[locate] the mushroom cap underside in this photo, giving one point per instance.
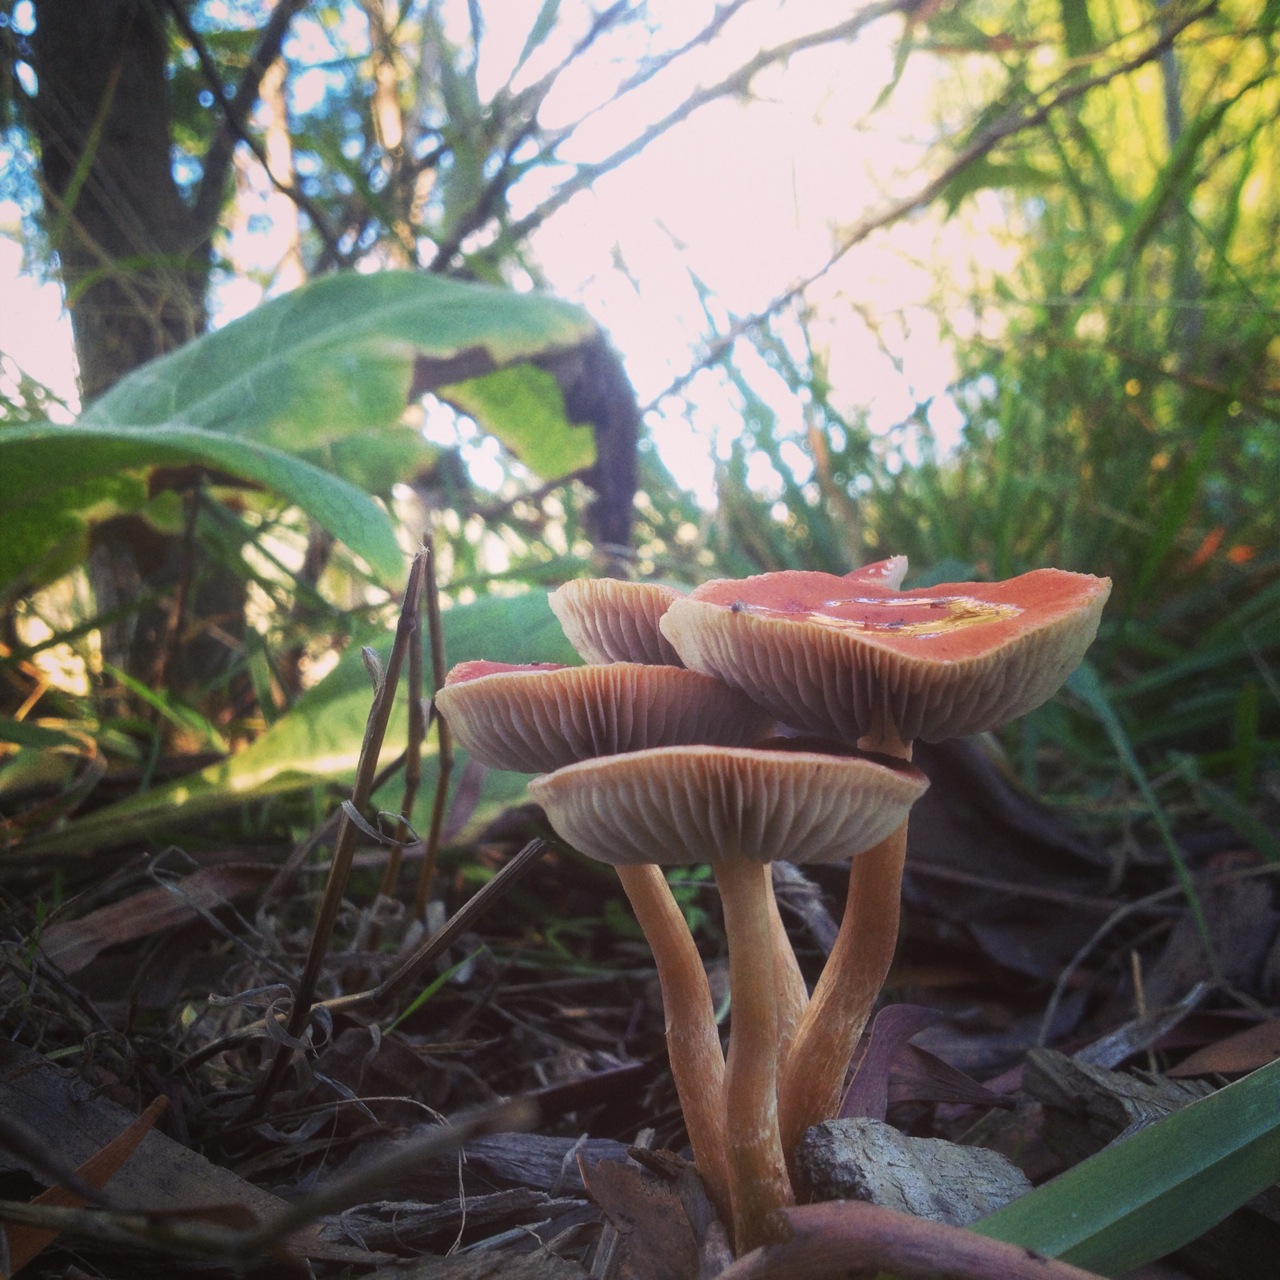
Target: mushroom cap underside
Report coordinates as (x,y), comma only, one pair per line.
(533,721)
(679,805)
(864,661)
(607,620)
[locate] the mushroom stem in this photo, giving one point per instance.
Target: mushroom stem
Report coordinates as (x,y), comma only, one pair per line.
(809,1091)
(789,982)
(758,1179)
(693,1041)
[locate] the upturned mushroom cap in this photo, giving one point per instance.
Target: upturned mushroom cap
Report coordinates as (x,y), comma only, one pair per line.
(885,573)
(537,718)
(863,661)
(676,805)
(610,621)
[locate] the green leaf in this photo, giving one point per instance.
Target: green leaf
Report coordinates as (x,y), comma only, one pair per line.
(1077,27)
(1085,683)
(1147,1195)
(55,479)
(528,401)
(319,739)
(307,378)
(543,25)
(26,734)
(982,174)
(338,357)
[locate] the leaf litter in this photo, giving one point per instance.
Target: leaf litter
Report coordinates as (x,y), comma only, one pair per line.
(385,1143)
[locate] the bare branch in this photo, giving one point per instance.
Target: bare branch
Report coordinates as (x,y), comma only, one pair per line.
(1018,119)
(738,82)
(235,112)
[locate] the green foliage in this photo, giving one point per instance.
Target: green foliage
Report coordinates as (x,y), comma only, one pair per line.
(304,396)
(1118,387)
(54,480)
(318,741)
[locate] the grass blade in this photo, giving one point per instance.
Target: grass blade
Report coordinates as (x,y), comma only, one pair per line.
(1150,1194)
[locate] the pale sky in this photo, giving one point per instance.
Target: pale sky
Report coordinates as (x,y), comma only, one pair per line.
(750,196)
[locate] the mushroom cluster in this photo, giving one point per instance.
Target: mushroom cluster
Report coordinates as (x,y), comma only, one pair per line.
(753,719)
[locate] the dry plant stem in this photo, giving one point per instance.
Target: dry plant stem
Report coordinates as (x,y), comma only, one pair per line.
(377,998)
(693,1041)
(344,848)
(758,1180)
(793,995)
(26,1243)
(412,759)
(846,993)
(204,1238)
(444,742)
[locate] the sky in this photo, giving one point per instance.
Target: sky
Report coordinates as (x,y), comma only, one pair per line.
(747,196)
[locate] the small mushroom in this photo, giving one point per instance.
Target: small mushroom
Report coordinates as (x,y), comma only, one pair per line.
(535,718)
(855,658)
(735,808)
(538,718)
(611,621)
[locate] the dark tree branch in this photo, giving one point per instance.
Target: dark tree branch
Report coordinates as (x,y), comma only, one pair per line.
(235,110)
(642,75)
(738,82)
(235,128)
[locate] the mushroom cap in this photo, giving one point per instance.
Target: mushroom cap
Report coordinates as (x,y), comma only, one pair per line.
(611,621)
(677,805)
(859,660)
(885,573)
(534,719)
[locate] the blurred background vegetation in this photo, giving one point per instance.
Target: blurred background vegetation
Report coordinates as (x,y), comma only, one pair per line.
(1078,203)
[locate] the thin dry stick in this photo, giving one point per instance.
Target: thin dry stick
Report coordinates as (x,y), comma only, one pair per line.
(413,750)
(321,835)
(392,1171)
(344,850)
(444,742)
(201,1238)
(456,925)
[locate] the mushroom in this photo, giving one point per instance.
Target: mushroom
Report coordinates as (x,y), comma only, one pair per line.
(856,658)
(538,718)
(735,808)
(611,621)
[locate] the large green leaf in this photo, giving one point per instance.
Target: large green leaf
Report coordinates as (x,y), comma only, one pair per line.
(1154,1192)
(319,739)
(338,356)
(311,383)
(55,479)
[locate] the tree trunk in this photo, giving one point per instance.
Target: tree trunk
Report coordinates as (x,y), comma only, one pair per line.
(135,263)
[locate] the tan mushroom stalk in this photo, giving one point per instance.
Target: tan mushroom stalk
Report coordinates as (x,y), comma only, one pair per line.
(855,658)
(536,718)
(736,808)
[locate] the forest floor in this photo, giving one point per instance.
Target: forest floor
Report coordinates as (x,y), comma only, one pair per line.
(1042,953)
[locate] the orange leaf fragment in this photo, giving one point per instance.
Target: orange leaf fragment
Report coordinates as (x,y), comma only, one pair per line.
(26,1242)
